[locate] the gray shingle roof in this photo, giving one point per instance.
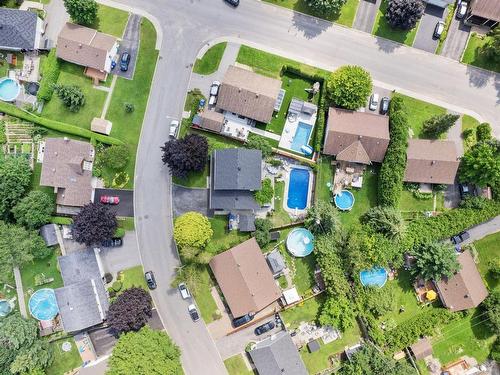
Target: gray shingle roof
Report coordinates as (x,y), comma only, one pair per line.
(246,222)
(278,356)
(276,262)
(232,200)
(17,29)
(237,169)
(48,233)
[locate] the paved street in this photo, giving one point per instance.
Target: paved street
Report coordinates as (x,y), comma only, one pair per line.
(365,15)
(455,42)
(424,39)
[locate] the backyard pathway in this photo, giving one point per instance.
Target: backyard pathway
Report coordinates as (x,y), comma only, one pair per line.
(264,133)
(20,293)
(108,97)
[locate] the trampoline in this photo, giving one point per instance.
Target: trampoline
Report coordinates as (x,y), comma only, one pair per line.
(375,277)
(300,242)
(43,304)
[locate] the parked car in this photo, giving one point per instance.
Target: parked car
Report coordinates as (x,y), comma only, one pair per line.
(212,100)
(464,190)
(264,328)
(384,105)
(234,3)
(461,10)
(124,61)
(150,279)
(174,125)
(438,30)
(193,312)
(113,242)
(108,199)
(373,102)
(201,103)
(461,237)
(184,291)
(114,61)
(237,322)
(214,89)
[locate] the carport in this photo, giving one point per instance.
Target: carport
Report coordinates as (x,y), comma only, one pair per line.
(125,207)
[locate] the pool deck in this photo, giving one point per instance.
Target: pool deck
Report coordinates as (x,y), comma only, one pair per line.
(294,212)
(290,129)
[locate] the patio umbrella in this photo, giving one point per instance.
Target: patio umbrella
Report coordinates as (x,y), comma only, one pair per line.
(431,295)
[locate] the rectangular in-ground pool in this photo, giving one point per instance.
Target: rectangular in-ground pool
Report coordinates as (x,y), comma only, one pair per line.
(301,136)
(298,188)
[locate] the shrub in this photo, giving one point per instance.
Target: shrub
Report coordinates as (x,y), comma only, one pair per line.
(326,7)
(116,156)
(483,132)
(467,133)
(262,229)
(119,233)
(192,229)
(71,96)
(60,220)
(266,193)
(108,277)
(120,180)
(117,286)
(83,12)
(439,124)
(257,142)
(129,107)
(404,14)
(50,73)
(349,87)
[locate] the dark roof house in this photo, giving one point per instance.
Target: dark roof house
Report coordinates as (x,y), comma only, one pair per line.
(465,289)
(431,161)
(246,222)
(245,278)
(356,137)
(483,13)
(236,174)
(19,30)
(277,355)
(48,233)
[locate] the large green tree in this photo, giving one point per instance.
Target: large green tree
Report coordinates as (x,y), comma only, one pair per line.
(336,312)
(145,352)
(438,125)
(322,218)
(435,261)
(130,311)
(385,220)
(492,307)
(349,87)
(83,12)
(192,229)
(326,8)
(492,48)
(34,210)
(404,14)
(481,164)
(15,178)
(71,96)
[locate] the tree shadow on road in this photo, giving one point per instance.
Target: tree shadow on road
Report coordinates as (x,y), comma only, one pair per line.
(387,46)
(310,26)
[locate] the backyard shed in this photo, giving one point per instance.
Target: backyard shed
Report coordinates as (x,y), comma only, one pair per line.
(276,262)
(48,233)
(421,349)
(246,222)
(313,346)
(100,125)
(209,120)
(291,296)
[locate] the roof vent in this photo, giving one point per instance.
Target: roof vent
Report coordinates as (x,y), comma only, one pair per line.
(54,170)
(433,162)
(55,153)
(257,96)
(239,168)
(360,136)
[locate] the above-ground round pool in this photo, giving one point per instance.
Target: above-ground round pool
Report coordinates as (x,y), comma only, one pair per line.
(5,308)
(9,89)
(43,304)
(344,200)
(300,242)
(298,188)
(375,277)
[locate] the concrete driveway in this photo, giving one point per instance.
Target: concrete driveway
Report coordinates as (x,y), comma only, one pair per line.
(116,259)
(424,39)
(189,199)
(455,42)
(365,15)
(129,43)
(381,93)
(125,207)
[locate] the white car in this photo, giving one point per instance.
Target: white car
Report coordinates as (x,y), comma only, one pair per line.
(214,89)
(212,100)
(174,125)
(373,102)
(184,291)
(461,10)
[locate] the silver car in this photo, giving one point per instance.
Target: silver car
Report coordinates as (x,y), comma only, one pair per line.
(173,128)
(373,102)
(184,291)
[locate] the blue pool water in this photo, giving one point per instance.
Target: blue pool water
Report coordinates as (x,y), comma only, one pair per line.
(9,89)
(300,242)
(375,277)
(344,200)
(301,136)
(298,189)
(43,304)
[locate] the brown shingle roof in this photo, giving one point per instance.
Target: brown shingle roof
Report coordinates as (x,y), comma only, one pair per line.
(346,127)
(63,167)
(489,9)
(211,120)
(248,94)
(100,125)
(431,161)
(354,153)
(84,46)
(421,349)
(245,278)
(465,289)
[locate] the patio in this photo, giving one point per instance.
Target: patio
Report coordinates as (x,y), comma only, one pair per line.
(236,127)
(307,332)
(347,175)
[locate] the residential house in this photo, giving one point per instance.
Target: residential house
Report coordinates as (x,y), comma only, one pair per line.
(356,137)
(431,162)
(87,47)
(465,289)
(209,120)
(236,175)
(67,167)
(245,278)
(20,30)
(83,300)
(483,13)
(277,355)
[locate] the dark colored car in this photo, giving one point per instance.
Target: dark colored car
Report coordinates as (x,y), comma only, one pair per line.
(150,279)
(234,3)
(114,242)
(461,237)
(438,30)
(124,61)
(242,320)
(193,312)
(464,190)
(264,328)
(384,105)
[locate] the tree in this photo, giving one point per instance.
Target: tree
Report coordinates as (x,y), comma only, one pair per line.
(336,312)
(322,218)
(262,231)
(480,165)
(192,229)
(379,301)
(15,179)
(257,142)
(34,210)
(38,355)
(71,96)
(266,193)
(492,47)
(438,124)
(329,261)
(385,220)
(186,155)
(94,223)
(492,307)
(404,14)
(143,353)
(83,12)
(483,132)
(326,7)
(349,87)
(116,156)
(435,261)
(130,311)
(495,350)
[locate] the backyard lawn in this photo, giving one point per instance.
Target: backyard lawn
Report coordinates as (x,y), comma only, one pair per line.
(410,203)
(323,177)
(303,277)
(110,21)
(210,61)
(488,251)
(134,277)
(473,56)
(382,28)
(223,239)
(236,366)
(279,217)
(307,311)
(64,361)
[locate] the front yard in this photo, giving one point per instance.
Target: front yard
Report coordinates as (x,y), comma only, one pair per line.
(382,28)
(134,277)
(209,62)
(110,21)
(473,56)
(236,366)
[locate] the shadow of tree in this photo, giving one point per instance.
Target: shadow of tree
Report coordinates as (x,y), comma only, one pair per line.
(479,77)
(309,25)
(386,45)
(479,327)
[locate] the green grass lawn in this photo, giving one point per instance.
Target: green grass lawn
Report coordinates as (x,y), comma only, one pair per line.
(410,203)
(307,311)
(134,277)
(473,56)
(127,126)
(222,238)
(279,217)
(488,251)
(191,104)
(418,111)
(236,366)
(194,179)
(469,122)
(126,223)
(382,28)
(35,181)
(210,61)
(110,21)
(64,361)
(324,176)
(449,18)
(303,277)
(204,299)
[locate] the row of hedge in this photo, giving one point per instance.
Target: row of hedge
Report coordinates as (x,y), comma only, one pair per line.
(390,180)
(12,110)
(61,220)
(50,73)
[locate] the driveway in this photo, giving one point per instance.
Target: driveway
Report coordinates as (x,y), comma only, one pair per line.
(55,20)
(115,259)
(381,93)
(424,39)
(455,42)
(365,15)
(452,196)
(484,229)
(125,207)
(189,199)
(130,43)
